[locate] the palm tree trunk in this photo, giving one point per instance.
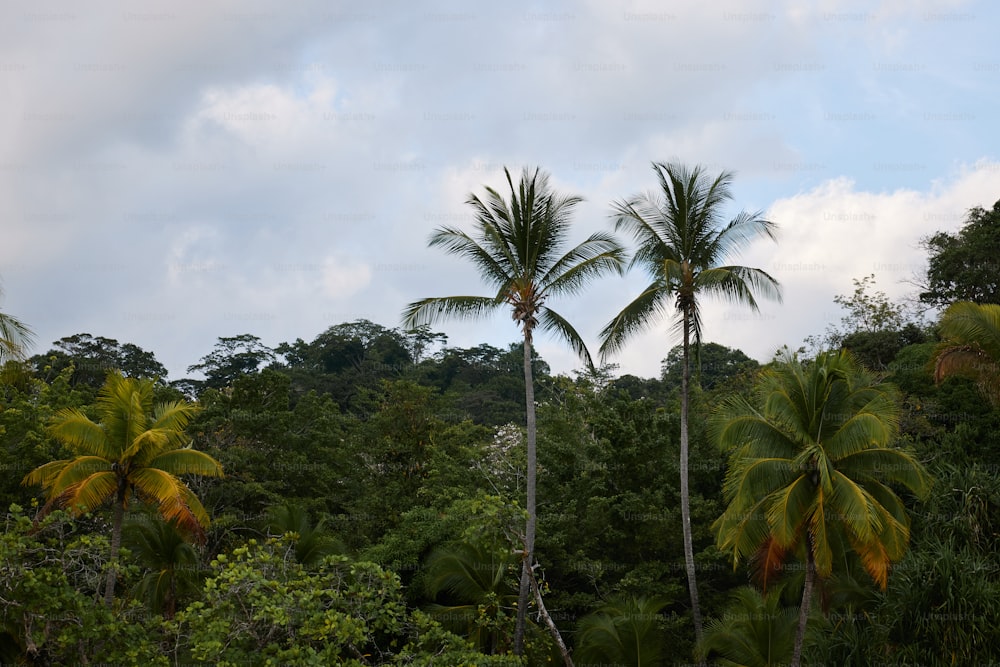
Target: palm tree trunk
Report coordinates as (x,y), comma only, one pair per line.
(116,543)
(685,499)
(529,533)
(800,634)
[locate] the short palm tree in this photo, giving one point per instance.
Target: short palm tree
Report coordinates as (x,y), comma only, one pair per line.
(685,245)
(137,449)
(15,337)
(622,631)
(970,346)
(812,459)
(756,630)
(171,561)
(479,581)
(311,542)
(517,247)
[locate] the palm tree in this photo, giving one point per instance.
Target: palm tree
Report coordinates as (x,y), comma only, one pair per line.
(516,247)
(477,580)
(684,244)
(172,562)
(136,449)
(971,346)
(311,542)
(757,630)
(811,461)
(15,337)
(623,631)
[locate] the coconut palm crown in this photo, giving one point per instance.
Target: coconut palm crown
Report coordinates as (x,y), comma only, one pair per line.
(137,449)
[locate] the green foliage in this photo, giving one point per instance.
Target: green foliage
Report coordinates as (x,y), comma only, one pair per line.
(51,613)
(874,329)
(172,570)
(311,542)
(232,358)
(756,630)
(713,364)
(347,360)
(262,607)
(476,582)
(92,358)
(623,631)
(964,266)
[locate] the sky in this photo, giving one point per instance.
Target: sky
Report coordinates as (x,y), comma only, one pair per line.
(175,172)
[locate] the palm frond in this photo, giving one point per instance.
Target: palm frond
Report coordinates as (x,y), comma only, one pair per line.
(740,233)
(429,311)
(75,429)
(552,322)
(89,493)
(187,462)
(75,471)
(45,474)
(496,271)
(174,501)
(971,346)
(15,338)
(635,317)
(592,258)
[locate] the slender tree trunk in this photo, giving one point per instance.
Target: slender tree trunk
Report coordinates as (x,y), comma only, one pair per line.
(685,499)
(800,633)
(529,533)
(567,660)
(116,543)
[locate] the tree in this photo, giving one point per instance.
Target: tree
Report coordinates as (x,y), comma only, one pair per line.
(874,329)
(261,607)
(348,359)
(684,245)
(964,266)
(171,561)
(970,346)
(516,250)
(812,459)
(93,357)
(757,630)
(715,364)
(311,543)
(15,337)
(136,449)
(232,358)
(622,632)
(478,580)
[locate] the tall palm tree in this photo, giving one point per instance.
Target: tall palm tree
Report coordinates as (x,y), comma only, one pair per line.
(812,459)
(15,337)
(517,246)
(137,449)
(685,246)
(970,346)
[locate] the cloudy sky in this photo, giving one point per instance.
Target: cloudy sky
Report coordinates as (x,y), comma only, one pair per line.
(175,172)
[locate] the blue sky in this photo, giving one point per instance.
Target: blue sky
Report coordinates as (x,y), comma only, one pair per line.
(183,171)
